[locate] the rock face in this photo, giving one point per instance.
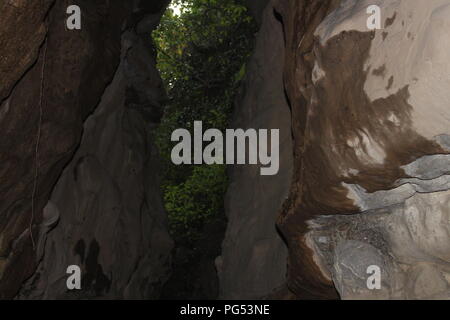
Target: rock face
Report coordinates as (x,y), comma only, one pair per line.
(253,261)
(362,199)
(371,126)
(370,121)
(105,212)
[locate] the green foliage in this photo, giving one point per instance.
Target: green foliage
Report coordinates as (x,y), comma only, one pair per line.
(201,58)
(197,201)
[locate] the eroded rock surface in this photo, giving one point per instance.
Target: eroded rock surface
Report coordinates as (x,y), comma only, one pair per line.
(371,125)
(253,261)
(105,213)
(365,146)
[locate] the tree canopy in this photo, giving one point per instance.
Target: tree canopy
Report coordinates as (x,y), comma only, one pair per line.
(201,57)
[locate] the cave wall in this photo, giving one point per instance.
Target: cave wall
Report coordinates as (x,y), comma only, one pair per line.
(254,256)
(371,124)
(106,207)
(364,146)
(368,111)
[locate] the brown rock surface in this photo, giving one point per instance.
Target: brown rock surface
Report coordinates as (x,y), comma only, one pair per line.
(365,153)
(370,126)
(350,150)
(52,79)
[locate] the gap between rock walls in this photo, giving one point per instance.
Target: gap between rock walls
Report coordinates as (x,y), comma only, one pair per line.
(224,150)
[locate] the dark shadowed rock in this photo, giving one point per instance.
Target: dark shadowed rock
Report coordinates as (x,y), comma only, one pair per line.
(257,8)
(253,261)
(54,79)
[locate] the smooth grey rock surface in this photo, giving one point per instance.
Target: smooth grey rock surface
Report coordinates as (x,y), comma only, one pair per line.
(408,241)
(254,256)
